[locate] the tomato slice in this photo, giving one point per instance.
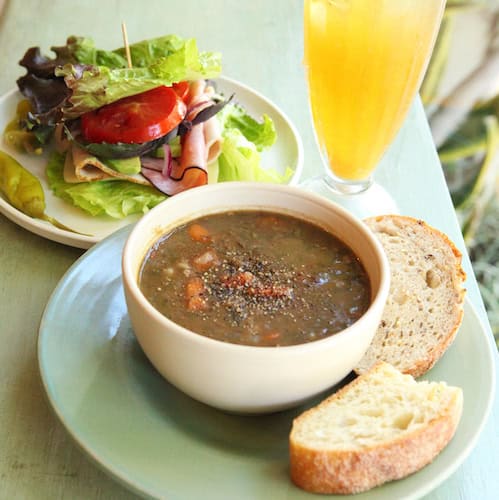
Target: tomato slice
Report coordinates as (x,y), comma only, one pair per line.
(182,89)
(135,119)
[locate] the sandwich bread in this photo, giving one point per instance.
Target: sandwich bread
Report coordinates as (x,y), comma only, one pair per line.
(381,427)
(425,304)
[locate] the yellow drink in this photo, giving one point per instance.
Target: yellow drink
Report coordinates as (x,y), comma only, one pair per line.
(365,62)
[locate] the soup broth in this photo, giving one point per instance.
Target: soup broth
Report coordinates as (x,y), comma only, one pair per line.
(256,278)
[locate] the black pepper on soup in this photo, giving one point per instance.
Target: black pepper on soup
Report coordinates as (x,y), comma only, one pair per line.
(256,278)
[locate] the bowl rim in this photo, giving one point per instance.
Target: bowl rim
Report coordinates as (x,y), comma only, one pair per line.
(130,281)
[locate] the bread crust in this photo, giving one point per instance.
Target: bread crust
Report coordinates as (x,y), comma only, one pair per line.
(336,471)
(418,366)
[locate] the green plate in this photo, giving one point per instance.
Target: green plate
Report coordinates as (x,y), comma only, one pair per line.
(159,442)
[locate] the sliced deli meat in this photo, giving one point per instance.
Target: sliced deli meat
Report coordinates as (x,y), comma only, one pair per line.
(212,138)
(187,173)
(81,166)
(199,98)
(194,152)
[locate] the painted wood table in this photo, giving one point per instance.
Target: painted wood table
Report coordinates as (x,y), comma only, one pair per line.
(261,43)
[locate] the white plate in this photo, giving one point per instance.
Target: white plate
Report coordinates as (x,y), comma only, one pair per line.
(160,443)
(286,152)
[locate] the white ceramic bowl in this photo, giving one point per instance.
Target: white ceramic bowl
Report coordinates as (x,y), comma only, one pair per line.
(241,378)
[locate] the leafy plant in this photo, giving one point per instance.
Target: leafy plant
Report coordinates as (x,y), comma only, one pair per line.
(468,147)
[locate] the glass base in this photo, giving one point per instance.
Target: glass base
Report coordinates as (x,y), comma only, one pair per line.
(371,201)
(347,188)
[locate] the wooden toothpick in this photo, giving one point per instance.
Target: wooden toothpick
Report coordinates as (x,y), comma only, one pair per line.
(127,46)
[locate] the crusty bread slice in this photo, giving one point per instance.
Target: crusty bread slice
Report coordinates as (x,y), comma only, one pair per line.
(382,426)
(425,305)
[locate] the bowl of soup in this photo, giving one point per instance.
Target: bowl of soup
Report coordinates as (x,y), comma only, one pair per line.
(253,297)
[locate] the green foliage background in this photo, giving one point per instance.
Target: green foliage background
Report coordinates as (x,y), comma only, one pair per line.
(470,153)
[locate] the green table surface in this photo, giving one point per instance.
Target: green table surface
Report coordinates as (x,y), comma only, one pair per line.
(261,43)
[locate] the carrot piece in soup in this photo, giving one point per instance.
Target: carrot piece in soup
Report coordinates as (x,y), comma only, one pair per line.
(194,294)
(199,233)
(272,336)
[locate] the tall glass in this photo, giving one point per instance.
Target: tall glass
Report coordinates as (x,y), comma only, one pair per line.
(365,60)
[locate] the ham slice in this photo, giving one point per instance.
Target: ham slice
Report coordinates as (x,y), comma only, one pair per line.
(193,149)
(189,172)
(212,138)
(199,98)
(163,165)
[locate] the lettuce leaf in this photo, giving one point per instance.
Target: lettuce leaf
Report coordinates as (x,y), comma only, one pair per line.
(115,198)
(240,160)
(84,51)
(101,77)
(243,140)
(262,134)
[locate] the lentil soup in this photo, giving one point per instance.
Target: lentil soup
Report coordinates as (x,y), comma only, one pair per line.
(256,278)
